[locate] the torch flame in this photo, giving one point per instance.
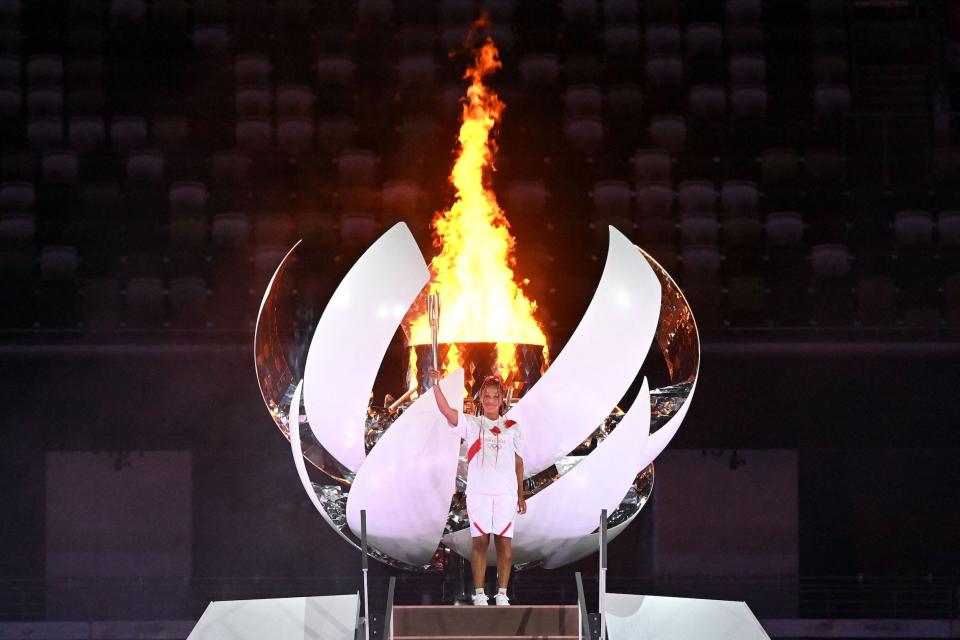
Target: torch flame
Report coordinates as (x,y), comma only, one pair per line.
(473,273)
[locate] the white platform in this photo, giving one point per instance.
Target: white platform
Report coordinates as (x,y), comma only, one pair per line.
(312,618)
(631,617)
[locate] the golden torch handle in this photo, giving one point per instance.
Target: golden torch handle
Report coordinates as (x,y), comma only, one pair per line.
(433,315)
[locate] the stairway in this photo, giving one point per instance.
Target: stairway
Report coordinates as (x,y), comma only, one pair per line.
(540,622)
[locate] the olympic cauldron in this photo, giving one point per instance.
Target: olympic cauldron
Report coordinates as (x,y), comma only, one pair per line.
(399,461)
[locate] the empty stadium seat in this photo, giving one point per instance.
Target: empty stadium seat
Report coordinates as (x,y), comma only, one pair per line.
(17,230)
(401,199)
(746,301)
(748,69)
(188,233)
(663,72)
(170,133)
(739,198)
(294,100)
(655,199)
(230,166)
(145,166)
(698,196)
(60,166)
(876,300)
(652,165)
(128,134)
(230,230)
(254,135)
(253,69)
(128,10)
(914,228)
(948,228)
(612,197)
(356,167)
(358,230)
(529,198)
(539,70)
(669,132)
(295,135)
(188,199)
(662,38)
(44,70)
(784,228)
(583,100)
(274,229)
(145,303)
(621,39)
(211,40)
(584,133)
(45,101)
(17,197)
(830,260)
(624,103)
(102,304)
(704,40)
(417,70)
(708,102)
(832,99)
(335,70)
(699,229)
(252,101)
(188,302)
(45,134)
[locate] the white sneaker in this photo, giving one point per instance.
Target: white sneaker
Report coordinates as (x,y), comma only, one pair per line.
(502,600)
(480,600)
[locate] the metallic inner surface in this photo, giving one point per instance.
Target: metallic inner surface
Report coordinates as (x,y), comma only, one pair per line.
(278,365)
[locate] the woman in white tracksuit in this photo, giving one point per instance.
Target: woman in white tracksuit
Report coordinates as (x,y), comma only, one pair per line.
(494,480)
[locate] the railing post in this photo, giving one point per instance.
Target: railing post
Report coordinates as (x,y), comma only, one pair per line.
(363,565)
(603,575)
(583,616)
(388,614)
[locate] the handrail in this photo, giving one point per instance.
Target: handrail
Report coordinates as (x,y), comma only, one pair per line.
(582,612)
(602,587)
(358,623)
(364,568)
(388,613)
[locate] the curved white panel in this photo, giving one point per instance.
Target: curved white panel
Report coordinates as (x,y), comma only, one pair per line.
(635,616)
(297,449)
(569,509)
(573,550)
(660,438)
(598,363)
(353,335)
(407,480)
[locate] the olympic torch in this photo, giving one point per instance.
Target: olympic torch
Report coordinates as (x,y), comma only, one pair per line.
(433,315)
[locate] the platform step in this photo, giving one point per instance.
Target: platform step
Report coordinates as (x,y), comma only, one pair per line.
(540,622)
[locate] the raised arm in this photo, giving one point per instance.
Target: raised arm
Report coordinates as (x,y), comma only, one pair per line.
(451,414)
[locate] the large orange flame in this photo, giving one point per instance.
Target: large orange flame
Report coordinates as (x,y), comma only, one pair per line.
(481,300)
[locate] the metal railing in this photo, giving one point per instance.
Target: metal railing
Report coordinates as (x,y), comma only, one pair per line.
(363,626)
(602,576)
(583,614)
(388,610)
